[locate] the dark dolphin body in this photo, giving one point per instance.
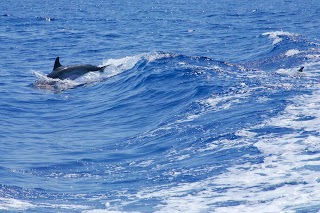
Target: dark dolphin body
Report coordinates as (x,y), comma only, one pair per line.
(71,72)
(301,69)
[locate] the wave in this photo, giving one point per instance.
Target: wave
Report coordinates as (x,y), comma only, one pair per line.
(114,67)
(186,128)
(289,52)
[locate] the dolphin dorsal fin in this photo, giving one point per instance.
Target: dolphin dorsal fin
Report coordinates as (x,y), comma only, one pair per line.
(57,64)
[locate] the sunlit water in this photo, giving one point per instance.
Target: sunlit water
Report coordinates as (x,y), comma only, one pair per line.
(200,109)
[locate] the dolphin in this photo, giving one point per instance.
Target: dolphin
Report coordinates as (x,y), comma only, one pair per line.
(72,72)
(301,69)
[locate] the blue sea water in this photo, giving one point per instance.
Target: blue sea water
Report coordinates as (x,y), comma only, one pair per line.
(201,108)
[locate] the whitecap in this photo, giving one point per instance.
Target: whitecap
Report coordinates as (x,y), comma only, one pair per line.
(292,52)
(14,204)
(276,35)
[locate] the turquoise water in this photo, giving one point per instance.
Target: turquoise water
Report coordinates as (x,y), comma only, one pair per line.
(201,108)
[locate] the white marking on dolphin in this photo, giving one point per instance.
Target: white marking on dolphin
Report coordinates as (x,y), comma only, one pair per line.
(72,72)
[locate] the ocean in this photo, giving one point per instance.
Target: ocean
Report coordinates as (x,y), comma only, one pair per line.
(204,106)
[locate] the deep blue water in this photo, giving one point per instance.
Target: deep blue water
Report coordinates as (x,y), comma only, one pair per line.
(201,107)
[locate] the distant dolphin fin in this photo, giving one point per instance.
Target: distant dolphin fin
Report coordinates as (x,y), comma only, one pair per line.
(301,69)
(57,64)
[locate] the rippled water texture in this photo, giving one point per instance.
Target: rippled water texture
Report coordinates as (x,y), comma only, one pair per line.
(201,108)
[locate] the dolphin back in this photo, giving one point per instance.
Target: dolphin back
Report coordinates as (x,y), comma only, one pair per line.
(72,72)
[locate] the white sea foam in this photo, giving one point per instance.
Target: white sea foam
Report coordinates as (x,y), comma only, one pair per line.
(13,204)
(117,66)
(145,163)
(245,133)
(47,83)
(10,204)
(209,147)
(282,182)
(285,71)
(286,180)
(286,167)
(292,52)
(188,118)
(276,35)
(223,102)
(156,56)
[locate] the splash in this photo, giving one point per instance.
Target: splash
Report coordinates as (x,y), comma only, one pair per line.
(277,36)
